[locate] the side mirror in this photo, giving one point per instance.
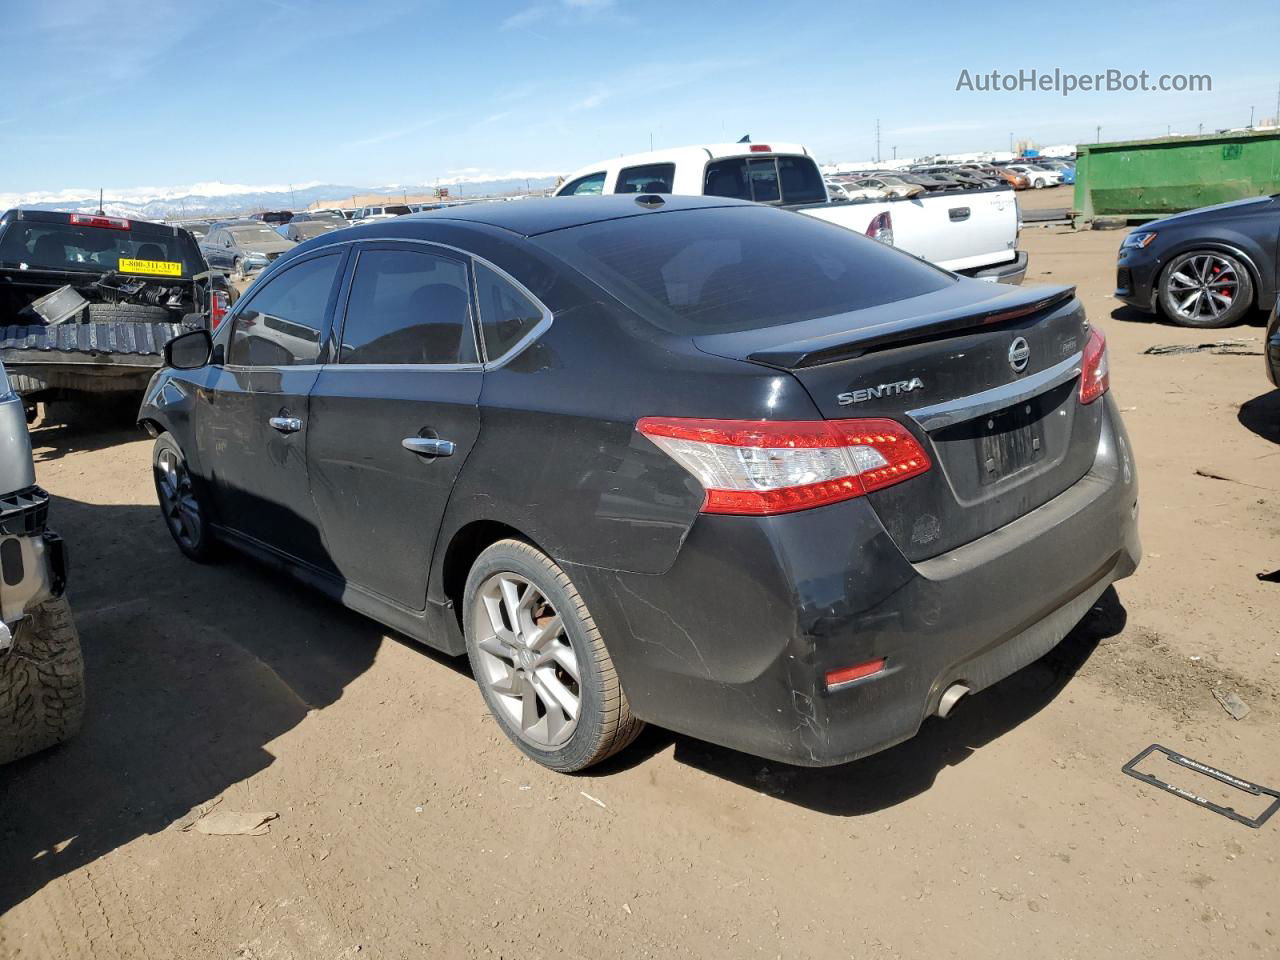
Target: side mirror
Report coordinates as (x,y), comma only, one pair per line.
(190,351)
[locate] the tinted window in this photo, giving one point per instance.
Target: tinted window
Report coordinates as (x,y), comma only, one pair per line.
(506,314)
(592,183)
(408,306)
(739,268)
(765,179)
(651,178)
(280,326)
(61,246)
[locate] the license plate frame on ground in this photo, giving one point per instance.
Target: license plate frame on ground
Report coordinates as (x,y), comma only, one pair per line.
(1245,786)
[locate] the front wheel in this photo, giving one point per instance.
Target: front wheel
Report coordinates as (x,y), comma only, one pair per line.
(238,269)
(1039,184)
(184,514)
(541,663)
(1206,289)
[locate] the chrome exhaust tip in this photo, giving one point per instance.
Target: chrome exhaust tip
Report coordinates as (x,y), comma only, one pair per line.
(950,697)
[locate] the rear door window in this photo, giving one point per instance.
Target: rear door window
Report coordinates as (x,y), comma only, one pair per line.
(590,184)
(280,326)
(650,178)
(507,316)
(408,306)
(724,269)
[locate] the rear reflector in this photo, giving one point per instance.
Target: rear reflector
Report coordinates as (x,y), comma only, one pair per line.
(846,675)
(109,223)
(761,148)
(1095,371)
(762,467)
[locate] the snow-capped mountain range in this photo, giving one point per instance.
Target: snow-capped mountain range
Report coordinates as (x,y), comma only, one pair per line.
(205,199)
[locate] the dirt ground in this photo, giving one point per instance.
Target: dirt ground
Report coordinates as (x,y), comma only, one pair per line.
(408,827)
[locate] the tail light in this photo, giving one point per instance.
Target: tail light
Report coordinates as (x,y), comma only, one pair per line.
(760,467)
(1095,372)
(881,228)
(88,220)
(761,148)
(219,304)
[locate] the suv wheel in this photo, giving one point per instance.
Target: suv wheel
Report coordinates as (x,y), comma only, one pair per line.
(1205,288)
(238,267)
(541,663)
(1039,184)
(41,682)
(184,514)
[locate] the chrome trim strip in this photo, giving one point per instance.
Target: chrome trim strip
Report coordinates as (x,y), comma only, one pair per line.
(939,415)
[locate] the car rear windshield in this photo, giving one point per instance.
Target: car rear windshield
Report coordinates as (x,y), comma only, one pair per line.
(61,246)
(779,179)
(726,269)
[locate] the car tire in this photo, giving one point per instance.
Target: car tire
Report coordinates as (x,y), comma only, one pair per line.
(237,268)
(41,683)
(525,668)
(1181,281)
(184,512)
(1039,184)
(128,313)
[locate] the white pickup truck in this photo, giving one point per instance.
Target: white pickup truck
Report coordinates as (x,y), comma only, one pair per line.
(974,232)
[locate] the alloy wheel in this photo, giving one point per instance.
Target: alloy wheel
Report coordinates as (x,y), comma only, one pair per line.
(527,661)
(1203,287)
(178,500)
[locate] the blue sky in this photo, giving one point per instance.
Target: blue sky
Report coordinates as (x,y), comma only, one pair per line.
(137,93)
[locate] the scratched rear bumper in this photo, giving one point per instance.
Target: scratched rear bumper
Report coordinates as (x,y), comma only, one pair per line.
(733,643)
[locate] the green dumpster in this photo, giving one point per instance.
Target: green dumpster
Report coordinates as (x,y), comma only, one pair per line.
(1145,179)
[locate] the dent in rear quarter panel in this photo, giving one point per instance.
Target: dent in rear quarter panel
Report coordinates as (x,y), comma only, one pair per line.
(559,459)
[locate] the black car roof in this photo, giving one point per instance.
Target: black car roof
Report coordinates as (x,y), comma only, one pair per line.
(532,217)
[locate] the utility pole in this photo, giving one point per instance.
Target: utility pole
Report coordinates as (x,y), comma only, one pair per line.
(877,141)
(1099,140)
(1251,118)
(651,141)
(1168,129)
(895,153)
(1199,129)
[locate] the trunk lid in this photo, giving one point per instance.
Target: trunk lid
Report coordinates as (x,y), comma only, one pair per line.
(986,378)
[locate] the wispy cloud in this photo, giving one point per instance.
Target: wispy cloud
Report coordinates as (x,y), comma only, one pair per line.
(566,10)
(591,101)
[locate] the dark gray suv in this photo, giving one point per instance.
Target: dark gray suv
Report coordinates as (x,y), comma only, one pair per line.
(693,461)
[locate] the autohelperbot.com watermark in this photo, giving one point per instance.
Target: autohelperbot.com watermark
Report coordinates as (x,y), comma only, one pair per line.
(1065,82)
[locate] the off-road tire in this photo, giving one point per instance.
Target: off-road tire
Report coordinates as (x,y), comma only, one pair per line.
(128,313)
(41,683)
(605,723)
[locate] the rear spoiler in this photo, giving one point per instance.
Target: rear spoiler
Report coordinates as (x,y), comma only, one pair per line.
(849,335)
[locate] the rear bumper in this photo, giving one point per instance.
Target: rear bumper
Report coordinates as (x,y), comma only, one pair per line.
(732,645)
(1015,271)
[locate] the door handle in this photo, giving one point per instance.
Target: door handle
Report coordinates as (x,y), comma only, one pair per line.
(428,446)
(286,424)
(958,213)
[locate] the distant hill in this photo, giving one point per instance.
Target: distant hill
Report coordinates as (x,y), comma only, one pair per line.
(204,199)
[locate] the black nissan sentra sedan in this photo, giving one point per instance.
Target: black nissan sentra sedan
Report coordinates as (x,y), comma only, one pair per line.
(692,461)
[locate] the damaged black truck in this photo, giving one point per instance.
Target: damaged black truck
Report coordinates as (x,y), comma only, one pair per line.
(87,301)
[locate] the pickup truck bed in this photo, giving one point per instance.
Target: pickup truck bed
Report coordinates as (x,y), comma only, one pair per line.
(88,302)
(974,232)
